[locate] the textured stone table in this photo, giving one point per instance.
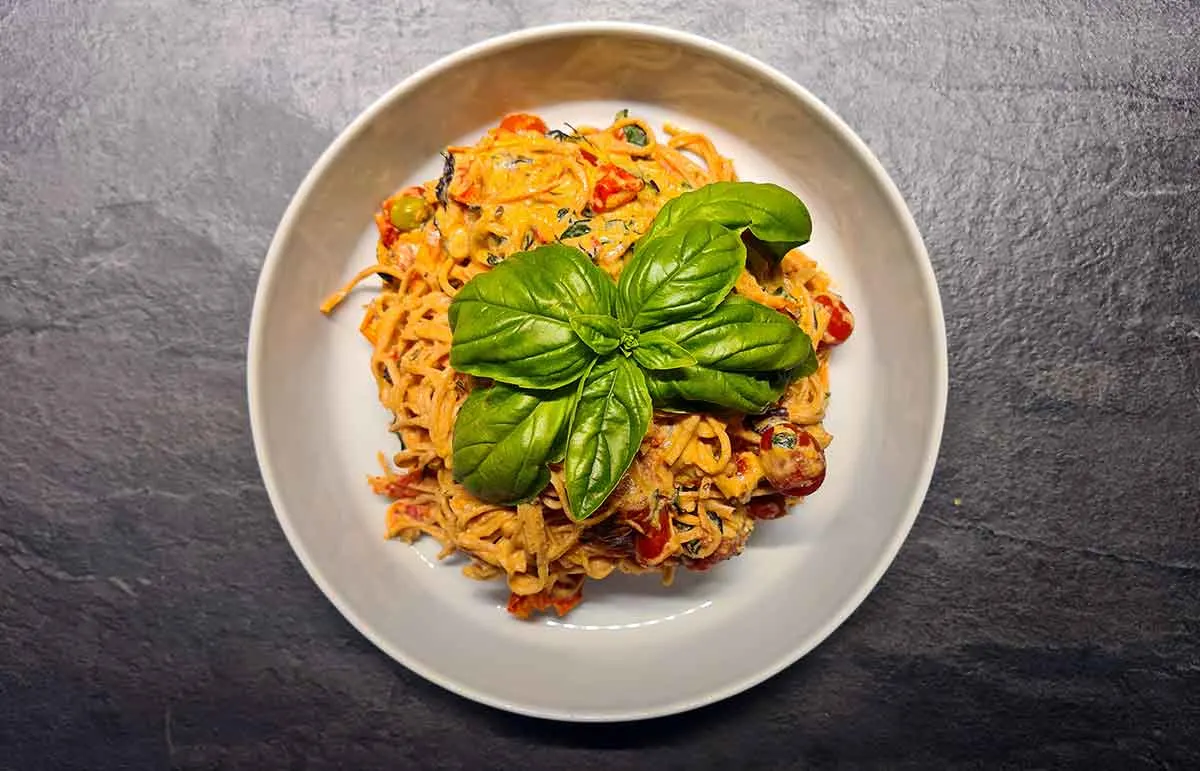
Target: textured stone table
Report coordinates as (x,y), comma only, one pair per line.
(1045,611)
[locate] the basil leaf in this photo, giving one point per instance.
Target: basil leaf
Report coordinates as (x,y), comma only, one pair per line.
(512,324)
(601,333)
(621,114)
(576,229)
(741,335)
(682,389)
(611,419)
(655,351)
(635,135)
(681,273)
(746,354)
(774,215)
(503,438)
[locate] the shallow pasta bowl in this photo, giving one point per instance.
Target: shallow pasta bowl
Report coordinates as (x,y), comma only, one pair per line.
(634,649)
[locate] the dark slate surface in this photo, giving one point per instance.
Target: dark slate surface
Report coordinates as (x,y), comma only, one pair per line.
(1045,611)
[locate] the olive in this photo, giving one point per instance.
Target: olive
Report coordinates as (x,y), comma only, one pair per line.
(408,212)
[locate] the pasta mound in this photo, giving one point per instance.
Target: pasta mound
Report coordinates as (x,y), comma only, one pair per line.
(700,481)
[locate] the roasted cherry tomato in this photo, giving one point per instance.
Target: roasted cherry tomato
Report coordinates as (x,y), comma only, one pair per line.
(729,547)
(767,507)
(841,320)
(524,606)
(616,188)
(793,462)
(521,121)
(651,544)
(387,231)
(398,487)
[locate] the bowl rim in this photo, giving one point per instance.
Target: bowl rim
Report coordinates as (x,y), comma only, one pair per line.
(270,269)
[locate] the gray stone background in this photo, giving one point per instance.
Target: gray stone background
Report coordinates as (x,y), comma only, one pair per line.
(152,616)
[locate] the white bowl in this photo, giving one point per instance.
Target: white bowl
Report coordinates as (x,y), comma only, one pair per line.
(634,649)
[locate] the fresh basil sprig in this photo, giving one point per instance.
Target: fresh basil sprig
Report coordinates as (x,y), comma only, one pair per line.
(579,362)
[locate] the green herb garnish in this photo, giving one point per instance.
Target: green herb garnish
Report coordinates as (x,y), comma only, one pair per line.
(635,135)
(580,362)
(576,229)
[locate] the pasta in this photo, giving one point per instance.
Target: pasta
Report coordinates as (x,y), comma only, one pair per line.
(699,482)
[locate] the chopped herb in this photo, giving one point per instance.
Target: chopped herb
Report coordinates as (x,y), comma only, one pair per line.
(577,137)
(653,185)
(564,211)
(499,211)
(528,242)
(621,115)
(387,377)
(561,136)
(635,135)
(494,259)
(443,185)
(784,439)
(692,548)
(715,518)
(779,291)
(587,212)
(576,229)
(686,185)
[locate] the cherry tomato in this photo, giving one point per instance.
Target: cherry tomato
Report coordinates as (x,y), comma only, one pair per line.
(793,462)
(841,320)
(387,231)
(730,546)
(418,513)
(615,188)
(767,507)
(524,606)
(399,487)
(468,196)
(651,545)
(521,121)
